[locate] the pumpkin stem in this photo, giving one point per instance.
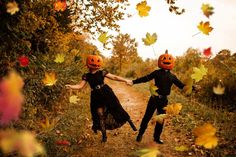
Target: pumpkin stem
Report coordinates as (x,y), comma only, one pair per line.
(166,52)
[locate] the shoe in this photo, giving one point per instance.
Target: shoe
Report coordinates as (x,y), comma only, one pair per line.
(94,130)
(159,141)
(139,138)
(104,139)
(132,125)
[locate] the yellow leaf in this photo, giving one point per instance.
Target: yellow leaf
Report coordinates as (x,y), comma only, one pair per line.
(60,58)
(219,89)
(207,141)
(23,142)
(205,27)
(12,7)
(207,10)
(173,109)
(205,129)
(150,39)
(49,79)
(148,152)
(47,125)
(153,90)
(181,148)
(199,73)
(103,38)
(188,86)
(160,118)
(74,99)
(143,8)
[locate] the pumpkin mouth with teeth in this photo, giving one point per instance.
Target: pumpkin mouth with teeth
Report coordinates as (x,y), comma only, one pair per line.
(166,61)
(94,61)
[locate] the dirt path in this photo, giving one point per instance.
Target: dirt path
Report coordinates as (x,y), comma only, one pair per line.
(121,142)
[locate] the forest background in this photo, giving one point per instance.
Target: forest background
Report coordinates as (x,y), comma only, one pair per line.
(54,39)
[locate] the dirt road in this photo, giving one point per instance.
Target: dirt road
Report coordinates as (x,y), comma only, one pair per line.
(121,142)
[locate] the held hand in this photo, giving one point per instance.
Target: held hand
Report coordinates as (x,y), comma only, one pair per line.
(129,82)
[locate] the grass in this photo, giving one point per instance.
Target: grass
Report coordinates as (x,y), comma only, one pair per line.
(195,114)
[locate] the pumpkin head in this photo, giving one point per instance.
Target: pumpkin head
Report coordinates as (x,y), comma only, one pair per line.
(166,61)
(94,61)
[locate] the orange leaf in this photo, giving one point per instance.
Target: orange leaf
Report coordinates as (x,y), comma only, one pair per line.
(60,5)
(205,27)
(50,79)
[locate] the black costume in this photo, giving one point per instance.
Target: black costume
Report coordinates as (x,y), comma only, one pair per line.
(164,79)
(102,96)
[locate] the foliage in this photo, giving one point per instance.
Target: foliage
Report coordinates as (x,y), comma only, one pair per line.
(124,51)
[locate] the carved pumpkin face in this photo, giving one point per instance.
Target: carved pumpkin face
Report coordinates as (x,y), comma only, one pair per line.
(166,61)
(94,61)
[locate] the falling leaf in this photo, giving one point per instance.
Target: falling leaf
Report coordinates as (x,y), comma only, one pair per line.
(12,7)
(173,109)
(160,118)
(199,73)
(143,9)
(205,27)
(219,89)
(188,86)
(60,58)
(74,99)
(60,5)
(11,97)
(207,52)
(103,38)
(49,79)
(23,142)
(153,90)
(208,142)
(148,152)
(205,136)
(181,148)
(150,39)
(63,142)
(207,10)
(47,125)
(24,61)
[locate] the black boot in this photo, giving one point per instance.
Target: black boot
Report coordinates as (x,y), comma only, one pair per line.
(139,138)
(132,125)
(104,137)
(159,141)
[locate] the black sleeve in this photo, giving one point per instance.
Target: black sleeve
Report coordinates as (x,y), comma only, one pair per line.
(145,78)
(177,82)
(84,77)
(104,72)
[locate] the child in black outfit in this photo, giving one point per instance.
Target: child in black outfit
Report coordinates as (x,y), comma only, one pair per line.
(107,112)
(164,79)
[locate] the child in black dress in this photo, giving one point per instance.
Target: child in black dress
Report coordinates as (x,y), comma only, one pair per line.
(107,112)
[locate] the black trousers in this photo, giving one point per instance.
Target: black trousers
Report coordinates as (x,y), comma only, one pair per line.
(154,103)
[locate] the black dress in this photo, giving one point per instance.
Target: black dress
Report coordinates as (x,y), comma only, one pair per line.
(104,97)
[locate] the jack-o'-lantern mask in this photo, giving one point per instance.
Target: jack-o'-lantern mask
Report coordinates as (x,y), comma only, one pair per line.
(166,61)
(94,61)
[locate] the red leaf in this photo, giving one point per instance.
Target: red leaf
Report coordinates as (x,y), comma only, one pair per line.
(24,61)
(63,142)
(207,52)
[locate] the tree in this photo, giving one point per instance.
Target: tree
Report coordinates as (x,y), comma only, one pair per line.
(124,50)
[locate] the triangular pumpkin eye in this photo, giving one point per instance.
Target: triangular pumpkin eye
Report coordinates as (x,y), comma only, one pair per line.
(92,60)
(169,58)
(164,58)
(98,60)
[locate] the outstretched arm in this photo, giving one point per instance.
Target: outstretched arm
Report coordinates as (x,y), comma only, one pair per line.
(77,86)
(116,78)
